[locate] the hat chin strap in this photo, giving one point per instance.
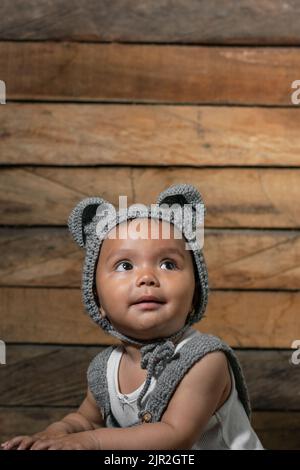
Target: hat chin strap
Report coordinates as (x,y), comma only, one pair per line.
(155,354)
(112,331)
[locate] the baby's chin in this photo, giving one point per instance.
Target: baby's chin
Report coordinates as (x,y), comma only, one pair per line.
(147,325)
(150,333)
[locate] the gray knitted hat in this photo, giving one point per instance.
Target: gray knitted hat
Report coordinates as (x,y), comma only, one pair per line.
(89,226)
(92,219)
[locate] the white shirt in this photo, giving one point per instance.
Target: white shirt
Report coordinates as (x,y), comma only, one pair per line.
(228,428)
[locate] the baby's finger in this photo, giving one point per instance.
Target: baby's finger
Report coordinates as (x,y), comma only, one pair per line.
(56,446)
(13,442)
(35,445)
(42,445)
(26,443)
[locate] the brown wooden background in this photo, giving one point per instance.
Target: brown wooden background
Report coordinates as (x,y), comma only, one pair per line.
(127,97)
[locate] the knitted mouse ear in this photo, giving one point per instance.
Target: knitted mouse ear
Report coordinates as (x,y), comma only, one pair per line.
(182,194)
(82,215)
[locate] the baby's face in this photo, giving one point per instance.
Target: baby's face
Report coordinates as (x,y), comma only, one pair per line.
(129,268)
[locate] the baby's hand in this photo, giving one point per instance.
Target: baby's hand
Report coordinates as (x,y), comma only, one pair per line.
(55,430)
(85,440)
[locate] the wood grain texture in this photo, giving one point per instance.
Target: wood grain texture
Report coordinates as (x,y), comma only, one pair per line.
(113,134)
(148,73)
(153,95)
(236,259)
(234,197)
(28,420)
(242,319)
(36,376)
(179,21)
(277,430)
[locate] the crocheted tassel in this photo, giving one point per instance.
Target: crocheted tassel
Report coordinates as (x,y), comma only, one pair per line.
(82,215)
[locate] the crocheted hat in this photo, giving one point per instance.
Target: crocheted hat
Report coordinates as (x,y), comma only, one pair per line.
(92,219)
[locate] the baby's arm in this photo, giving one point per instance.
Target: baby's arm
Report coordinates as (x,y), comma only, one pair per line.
(87,417)
(197,397)
(195,400)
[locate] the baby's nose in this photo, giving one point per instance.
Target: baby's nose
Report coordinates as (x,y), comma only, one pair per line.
(147,278)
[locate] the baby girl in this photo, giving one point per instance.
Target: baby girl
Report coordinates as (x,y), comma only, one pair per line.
(165,385)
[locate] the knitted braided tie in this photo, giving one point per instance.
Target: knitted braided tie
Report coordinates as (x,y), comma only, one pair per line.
(154,358)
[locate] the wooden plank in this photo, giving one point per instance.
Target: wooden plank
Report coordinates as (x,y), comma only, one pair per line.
(253,259)
(52,316)
(56,134)
(273,380)
(234,197)
(242,319)
(236,259)
(46,195)
(30,371)
(40,257)
(19,420)
(277,430)
(148,73)
(179,21)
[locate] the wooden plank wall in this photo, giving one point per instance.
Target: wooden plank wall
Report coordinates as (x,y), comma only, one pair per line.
(123,97)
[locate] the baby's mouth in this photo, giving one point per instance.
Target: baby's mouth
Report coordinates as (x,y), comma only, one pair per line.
(148,302)
(148,305)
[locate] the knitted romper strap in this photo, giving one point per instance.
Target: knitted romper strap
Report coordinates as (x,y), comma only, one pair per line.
(183,360)
(168,380)
(97,381)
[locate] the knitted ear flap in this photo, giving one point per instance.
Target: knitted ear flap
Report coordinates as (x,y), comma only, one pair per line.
(82,215)
(181,194)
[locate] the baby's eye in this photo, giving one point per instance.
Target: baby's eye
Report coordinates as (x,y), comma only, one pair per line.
(169,262)
(124,263)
